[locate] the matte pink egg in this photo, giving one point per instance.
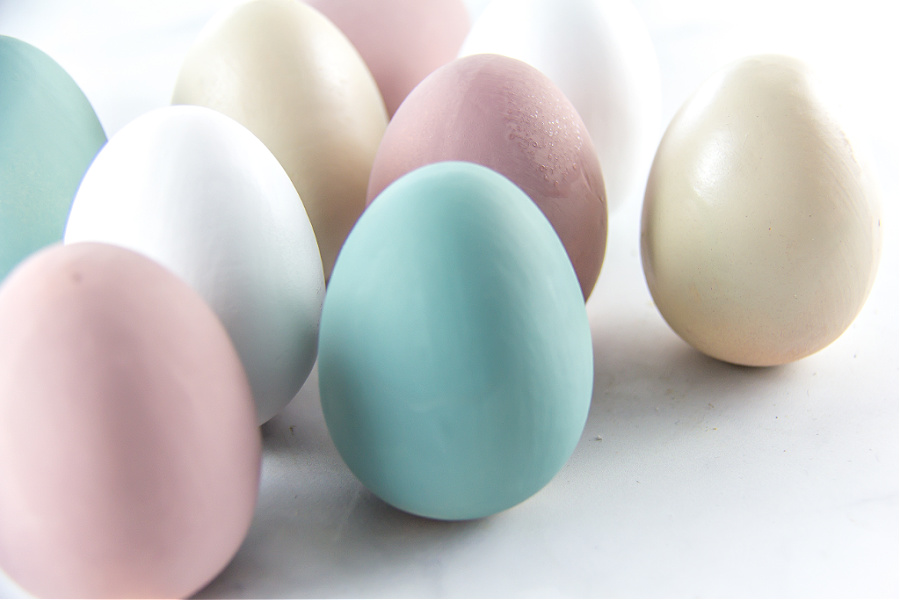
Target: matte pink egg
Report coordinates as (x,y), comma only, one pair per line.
(506,115)
(129,452)
(401,41)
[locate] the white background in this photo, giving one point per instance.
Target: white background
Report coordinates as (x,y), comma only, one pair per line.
(693,477)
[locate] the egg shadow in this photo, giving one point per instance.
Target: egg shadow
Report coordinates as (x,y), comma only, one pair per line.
(640,363)
(650,386)
(318,532)
(646,365)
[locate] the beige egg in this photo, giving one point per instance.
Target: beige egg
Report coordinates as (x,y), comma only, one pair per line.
(284,71)
(761,229)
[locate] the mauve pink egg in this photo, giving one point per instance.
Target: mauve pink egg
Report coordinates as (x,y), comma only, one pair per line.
(401,41)
(129,452)
(506,115)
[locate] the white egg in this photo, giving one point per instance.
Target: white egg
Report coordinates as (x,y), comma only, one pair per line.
(761,229)
(200,194)
(600,54)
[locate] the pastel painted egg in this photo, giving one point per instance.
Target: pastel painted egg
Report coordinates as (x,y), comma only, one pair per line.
(600,54)
(129,452)
(284,71)
(197,192)
(761,231)
(402,41)
(455,357)
(48,136)
(504,114)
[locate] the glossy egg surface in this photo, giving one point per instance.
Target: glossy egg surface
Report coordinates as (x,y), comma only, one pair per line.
(761,230)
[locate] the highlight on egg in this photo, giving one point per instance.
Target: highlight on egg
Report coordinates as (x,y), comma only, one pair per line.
(284,71)
(455,356)
(506,115)
(401,41)
(601,56)
(761,230)
(129,451)
(49,133)
(200,194)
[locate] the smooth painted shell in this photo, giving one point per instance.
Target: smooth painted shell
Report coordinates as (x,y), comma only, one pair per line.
(455,357)
(197,192)
(129,451)
(49,134)
(402,41)
(284,71)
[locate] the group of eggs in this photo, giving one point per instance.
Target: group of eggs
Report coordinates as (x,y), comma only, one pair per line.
(188,303)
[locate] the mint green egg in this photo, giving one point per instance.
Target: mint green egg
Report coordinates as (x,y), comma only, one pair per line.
(455,356)
(49,134)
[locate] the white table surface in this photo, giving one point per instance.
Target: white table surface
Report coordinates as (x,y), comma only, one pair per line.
(692,477)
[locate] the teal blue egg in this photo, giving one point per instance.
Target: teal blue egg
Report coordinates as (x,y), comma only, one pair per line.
(49,134)
(455,357)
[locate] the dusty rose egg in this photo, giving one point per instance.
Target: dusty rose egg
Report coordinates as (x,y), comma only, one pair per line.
(506,115)
(129,452)
(401,41)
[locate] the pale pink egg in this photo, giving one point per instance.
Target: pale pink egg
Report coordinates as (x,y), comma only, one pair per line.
(129,452)
(401,41)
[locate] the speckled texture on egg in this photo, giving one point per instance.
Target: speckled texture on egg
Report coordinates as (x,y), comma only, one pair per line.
(600,54)
(504,114)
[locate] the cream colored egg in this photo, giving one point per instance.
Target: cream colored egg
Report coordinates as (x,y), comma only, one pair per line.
(285,72)
(761,230)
